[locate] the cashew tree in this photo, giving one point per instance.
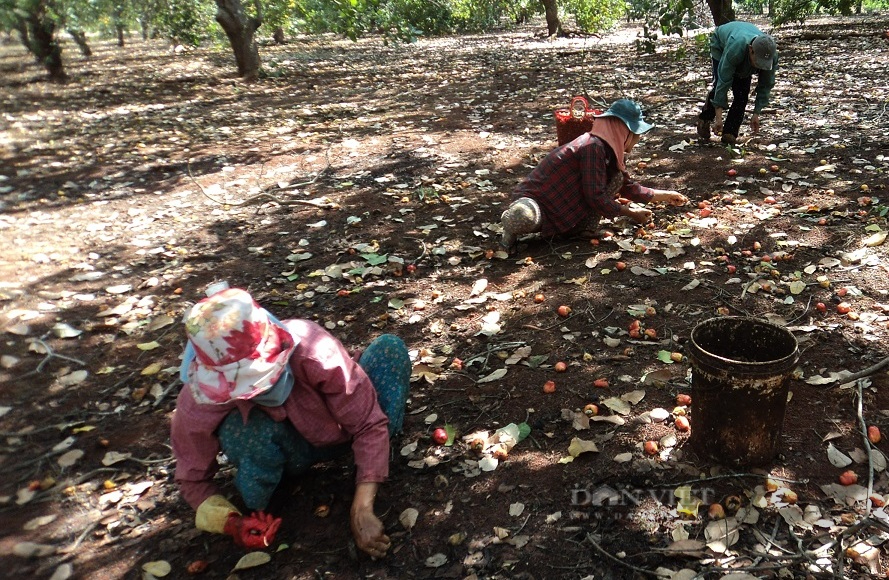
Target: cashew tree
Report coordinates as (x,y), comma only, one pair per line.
(240,27)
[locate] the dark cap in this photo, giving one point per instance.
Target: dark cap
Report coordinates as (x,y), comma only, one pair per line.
(763,52)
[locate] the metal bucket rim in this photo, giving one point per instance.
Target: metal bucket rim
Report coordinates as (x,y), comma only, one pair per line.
(787,361)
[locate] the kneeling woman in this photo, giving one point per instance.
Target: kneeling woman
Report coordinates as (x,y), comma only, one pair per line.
(578,183)
(277,397)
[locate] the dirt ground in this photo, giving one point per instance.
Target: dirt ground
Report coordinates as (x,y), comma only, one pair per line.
(370,180)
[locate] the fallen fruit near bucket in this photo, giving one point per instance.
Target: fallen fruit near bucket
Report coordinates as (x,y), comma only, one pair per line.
(716,512)
(873,434)
(877,500)
(683,399)
(790,497)
(591,410)
(848,478)
(844,308)
(650,447)
(682,423)
(440,436)
(771,485)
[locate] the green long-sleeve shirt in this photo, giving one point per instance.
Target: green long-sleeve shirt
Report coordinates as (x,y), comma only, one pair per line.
(729,44)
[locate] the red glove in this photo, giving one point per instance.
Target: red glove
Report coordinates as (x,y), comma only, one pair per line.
(253,532)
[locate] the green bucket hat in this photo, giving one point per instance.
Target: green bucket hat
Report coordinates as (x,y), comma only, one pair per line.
(630,113)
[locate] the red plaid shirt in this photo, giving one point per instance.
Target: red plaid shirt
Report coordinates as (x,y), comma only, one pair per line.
(332,402)
(571,183)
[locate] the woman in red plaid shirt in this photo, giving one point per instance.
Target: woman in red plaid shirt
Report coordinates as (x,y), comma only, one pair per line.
(580,182)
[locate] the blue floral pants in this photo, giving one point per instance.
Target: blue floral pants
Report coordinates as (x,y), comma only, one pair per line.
(264,451)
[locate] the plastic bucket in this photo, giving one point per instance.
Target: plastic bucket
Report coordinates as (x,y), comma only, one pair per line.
(740,374)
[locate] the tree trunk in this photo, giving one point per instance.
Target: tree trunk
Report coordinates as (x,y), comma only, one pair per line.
(44,45)
(553,24)
(278,36)
(79,37)
(241,31)
(120,38)
(722,11)
(21,26)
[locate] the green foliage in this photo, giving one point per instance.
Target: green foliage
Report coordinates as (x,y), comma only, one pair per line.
(185,21)
(595,15)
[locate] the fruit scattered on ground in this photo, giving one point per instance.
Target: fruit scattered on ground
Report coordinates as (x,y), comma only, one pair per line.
(650,447)
(873,434)
(440,436)
(848,477)
(716,512)
(683,399)
(563,311)
(549,387)
(601,383)
(560,367)
(682,424)
(591,410)
(538,298)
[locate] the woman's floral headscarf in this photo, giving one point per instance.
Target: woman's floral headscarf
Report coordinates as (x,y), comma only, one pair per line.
(240,352)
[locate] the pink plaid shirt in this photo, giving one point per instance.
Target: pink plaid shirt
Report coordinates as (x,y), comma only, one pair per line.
(332,402)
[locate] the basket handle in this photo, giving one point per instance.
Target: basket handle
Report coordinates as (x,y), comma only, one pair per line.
(578,107)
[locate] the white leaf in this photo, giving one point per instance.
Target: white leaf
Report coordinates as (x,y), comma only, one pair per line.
(878,460)
(160,568)
(479,287)
(430,419)
(70,458)
(658,414)
(113,457)
(119,289)
(691,285)
(408,449)
(617,405)
(408,518)
(623,457)
(633,397)
(516,509)
(65,443)
(496,375)
(252,560)
(63,330)
(797,286)
(436,560)
(32,550)
(616,420)
(721,534)
(37,522)
(24,495)
(579,446)
(875,239)
(793,515)
(488,463)
(74,378)
(63,572)
(836,457)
